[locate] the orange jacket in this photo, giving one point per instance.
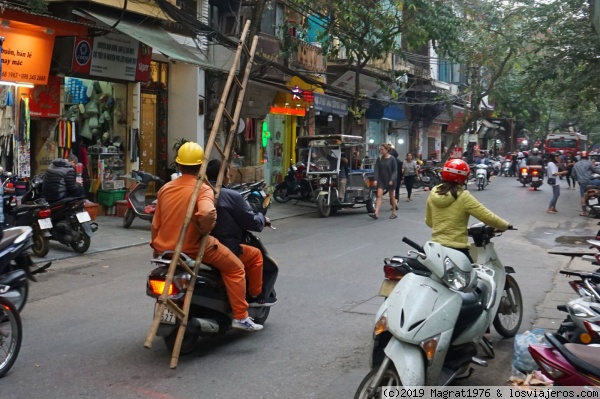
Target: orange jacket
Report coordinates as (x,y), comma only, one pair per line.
(171,208)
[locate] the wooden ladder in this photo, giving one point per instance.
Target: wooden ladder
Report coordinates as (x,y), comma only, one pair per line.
(163,301)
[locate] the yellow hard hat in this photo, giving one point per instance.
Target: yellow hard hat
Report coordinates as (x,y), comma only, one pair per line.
(189,154)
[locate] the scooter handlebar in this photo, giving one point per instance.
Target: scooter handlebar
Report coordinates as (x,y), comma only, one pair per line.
(412,244)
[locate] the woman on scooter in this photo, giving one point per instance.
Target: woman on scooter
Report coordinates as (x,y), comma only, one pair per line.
(449,207)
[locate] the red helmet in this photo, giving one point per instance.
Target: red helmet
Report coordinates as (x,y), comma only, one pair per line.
(455,171)
(583,154)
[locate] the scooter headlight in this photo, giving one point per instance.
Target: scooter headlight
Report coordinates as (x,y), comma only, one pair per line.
(455,278)
(323,180)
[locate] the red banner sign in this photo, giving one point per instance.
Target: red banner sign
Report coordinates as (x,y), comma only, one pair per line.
(44,101)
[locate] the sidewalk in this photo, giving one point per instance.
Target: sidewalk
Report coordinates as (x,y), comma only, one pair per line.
(111,235)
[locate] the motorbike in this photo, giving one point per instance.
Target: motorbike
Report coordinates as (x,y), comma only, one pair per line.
(506,168)
(71,223)
(16,265)
(481,179)
(430,176)
(536,174)
(497,168)
(567,364)
(524,178)
(592,201)
(210,312)
(296,188)
(11,333)
(34,212)
(428,329)
(258,200)
(136,200)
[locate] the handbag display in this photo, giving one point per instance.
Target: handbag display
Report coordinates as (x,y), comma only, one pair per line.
(551,181)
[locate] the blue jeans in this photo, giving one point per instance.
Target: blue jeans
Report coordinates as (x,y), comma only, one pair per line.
(582,187)
(555,195)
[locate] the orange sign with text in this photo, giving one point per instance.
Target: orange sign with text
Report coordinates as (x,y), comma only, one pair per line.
(26,56)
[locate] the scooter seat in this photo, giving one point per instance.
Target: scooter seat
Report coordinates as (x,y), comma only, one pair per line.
(10,235)
(65,200)
(589,357)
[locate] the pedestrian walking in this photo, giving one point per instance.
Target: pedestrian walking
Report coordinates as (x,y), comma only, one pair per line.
(399,180)
(554,180)
(386,174)
(570,163)
(410,170)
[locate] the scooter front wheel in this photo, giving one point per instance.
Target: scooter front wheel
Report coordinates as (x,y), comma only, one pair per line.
(41,245)
(510,312)
(390,378)
(128,218)
(11,337)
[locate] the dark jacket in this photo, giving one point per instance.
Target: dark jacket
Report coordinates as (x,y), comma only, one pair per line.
(234,215)
(59,181)
(534,160)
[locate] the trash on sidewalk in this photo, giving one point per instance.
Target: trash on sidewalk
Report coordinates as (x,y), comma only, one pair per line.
(523,361)
(535,379)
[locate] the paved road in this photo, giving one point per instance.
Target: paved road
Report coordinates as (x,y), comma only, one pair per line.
(87,318)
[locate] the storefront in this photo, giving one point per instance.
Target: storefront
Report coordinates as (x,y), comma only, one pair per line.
(385,124)
(329,114)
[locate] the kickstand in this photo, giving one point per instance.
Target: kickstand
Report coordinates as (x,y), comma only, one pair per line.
(487,347)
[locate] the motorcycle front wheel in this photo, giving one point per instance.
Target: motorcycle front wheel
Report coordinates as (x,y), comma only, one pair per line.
(11,335)
(41,245)
(390,379)
(128,218)
(323,209)
(510,312)
(83,243)
(281,195)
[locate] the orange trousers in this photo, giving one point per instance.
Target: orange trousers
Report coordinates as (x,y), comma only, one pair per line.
(234,276)
(253,263)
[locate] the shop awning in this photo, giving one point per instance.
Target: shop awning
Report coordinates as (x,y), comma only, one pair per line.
(152,36)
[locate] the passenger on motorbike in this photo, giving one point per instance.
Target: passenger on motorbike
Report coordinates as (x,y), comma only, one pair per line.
(234,215)
(583,171)
(449,207)
(171,209)
(60,180)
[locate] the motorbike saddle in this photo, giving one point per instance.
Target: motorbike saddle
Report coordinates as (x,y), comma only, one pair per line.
(585,358)
(10,235)
(65,201)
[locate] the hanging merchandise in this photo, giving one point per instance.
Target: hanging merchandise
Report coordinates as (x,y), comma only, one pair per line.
(24,120)
(249,134)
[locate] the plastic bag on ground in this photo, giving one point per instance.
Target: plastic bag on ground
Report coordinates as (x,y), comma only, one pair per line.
(522,360)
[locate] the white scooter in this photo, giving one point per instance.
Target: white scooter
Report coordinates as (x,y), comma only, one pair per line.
(428,330)
(481,176)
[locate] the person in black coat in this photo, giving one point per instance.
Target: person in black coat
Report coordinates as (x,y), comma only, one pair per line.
(234,215)
(60,180)
(399,179)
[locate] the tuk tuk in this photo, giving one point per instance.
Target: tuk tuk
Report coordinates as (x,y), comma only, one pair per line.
(334,161)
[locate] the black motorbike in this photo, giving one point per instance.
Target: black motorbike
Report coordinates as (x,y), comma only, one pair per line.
(16,265)
(210,311)
(71,223)
(33,212)
(296,186)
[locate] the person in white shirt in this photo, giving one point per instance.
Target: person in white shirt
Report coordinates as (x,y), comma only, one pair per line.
(554,177)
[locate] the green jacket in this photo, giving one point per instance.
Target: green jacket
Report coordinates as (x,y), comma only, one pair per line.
(448,217)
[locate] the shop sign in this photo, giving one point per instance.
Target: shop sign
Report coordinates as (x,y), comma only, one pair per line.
(44,101)
(331,105)
(112,56)
(26,56)
(457,153)
(308,96)
(299,111)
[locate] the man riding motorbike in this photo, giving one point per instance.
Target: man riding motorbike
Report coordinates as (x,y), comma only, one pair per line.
(234,215)
(60,180)
(582,172)
(172,203)
(534,158)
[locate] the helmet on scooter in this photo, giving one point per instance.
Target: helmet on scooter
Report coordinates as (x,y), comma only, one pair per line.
(535,151)
(584,154)
(190,154)
(455,171)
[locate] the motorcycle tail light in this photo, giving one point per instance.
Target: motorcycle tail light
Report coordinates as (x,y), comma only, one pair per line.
(593,330)
(392,273)
(524,170)
(535,172)
(44,213)
(549,369)
(157,287)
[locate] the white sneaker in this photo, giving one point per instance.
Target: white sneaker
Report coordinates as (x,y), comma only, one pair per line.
(247,324)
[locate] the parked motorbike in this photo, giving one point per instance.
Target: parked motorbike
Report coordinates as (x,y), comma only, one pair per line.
(567,364)
(428,329)
(11,333)
(136,200)
(71,223)
(430,176)
(592,201)
(16,265)
(481,178)
(294,188)
(210,312)
(258,200)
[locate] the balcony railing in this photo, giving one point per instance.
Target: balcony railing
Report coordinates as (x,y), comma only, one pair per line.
(308,57)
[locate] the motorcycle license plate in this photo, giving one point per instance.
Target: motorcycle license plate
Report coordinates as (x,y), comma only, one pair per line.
(45,224)
(534,178)
(263,194)
(387,286)
(593,201)
(83,217)
(167,317)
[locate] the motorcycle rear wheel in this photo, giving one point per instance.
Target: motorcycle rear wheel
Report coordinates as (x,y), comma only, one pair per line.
(390,379)
(128,218)
(262,314)
(281,195)
(83,244)
(41,245)
(510,309)
(11,337)
(187,345)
